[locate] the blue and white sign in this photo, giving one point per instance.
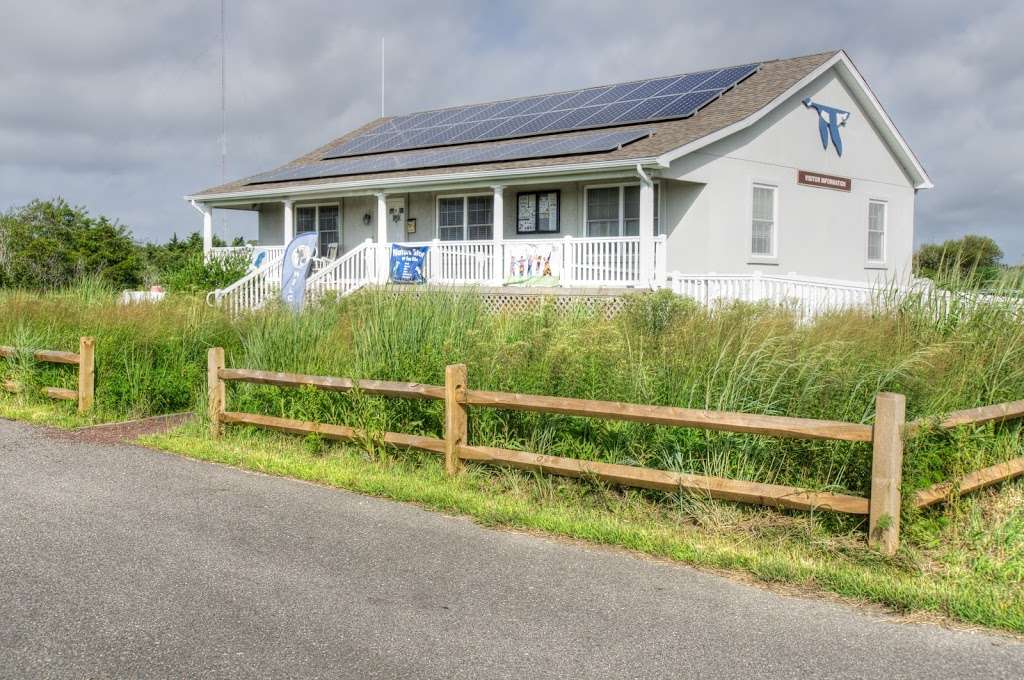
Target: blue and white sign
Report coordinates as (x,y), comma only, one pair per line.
(298,259)
(407,263)
(259,258)
(830,119)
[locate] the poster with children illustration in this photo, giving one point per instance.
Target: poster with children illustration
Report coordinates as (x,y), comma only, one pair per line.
(533,264)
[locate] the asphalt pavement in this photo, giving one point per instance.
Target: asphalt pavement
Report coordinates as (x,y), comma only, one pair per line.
(121,562)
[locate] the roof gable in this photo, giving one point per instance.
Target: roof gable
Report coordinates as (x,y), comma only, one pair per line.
(862,93)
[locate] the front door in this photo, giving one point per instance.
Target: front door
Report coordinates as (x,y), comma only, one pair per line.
(396,219)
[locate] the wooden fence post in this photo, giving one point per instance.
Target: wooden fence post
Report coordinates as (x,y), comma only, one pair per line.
(216,393)
(886,472)
(456,420)
(86,373)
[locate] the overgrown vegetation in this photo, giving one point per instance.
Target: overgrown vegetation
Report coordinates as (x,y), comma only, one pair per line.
(47,245)
(661,350)
(970,261)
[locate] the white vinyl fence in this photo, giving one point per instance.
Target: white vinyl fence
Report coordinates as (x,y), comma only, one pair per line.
(809,295)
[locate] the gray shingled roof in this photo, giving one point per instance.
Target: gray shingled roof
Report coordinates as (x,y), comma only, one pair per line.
(750,96)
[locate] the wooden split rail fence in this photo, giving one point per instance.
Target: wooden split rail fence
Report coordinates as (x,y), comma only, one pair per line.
(882,508)
(886,437)
(84,359)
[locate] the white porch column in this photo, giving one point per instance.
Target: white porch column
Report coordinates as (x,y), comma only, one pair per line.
(382,237)
(289,221)
(207,229)
(646,229)
(499,235)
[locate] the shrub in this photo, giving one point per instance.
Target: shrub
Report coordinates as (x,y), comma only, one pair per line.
(972,260)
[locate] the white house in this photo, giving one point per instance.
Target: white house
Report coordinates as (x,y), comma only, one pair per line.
(780,167)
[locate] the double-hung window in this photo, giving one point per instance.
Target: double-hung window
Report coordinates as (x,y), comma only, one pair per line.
(615,211)
(877,219)
(762,226)
(465,218)
(323,219)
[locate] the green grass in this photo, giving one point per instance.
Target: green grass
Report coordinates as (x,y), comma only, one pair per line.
(964,564)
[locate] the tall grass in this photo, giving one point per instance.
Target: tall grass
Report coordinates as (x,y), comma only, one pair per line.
(149,358)
(661,350)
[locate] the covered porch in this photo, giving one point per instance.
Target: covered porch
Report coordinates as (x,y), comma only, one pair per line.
(594,230)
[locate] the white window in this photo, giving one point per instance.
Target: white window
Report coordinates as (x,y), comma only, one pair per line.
(323,219)
(877,219)
(615,210)
(762,225)
(465,218)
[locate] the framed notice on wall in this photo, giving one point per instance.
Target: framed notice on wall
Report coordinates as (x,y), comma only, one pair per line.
(537,212)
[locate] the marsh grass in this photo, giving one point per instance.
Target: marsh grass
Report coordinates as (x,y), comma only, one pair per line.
(661,350)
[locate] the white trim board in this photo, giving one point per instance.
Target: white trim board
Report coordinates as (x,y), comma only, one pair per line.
(368,186)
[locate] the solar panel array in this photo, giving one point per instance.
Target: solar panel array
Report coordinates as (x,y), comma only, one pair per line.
(595,142)
(636,102)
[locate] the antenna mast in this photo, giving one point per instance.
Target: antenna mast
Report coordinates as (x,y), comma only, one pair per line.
(382,75)
(223,99)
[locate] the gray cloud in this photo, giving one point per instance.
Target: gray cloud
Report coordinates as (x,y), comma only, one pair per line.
(116,105)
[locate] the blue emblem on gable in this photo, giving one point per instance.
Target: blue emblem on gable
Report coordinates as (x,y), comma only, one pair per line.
(830,119)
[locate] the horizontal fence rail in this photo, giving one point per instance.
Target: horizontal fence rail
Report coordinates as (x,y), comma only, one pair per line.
(779,426)
(84,359)
(376,387)
(663,480)
(979,479)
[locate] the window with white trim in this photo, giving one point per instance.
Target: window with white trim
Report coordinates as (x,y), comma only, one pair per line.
(762,224)
(323,219)
(462,218)
(615,210)
(877,219)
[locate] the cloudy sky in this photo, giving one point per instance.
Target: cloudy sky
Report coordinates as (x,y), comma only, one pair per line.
(115,105)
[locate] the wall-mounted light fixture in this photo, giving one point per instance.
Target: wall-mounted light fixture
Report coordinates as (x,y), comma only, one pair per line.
(367,218)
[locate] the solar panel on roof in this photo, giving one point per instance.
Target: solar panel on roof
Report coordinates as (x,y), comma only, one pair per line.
(594,142)
(636,102)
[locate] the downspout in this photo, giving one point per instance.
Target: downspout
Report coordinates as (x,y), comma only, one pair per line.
(639,171)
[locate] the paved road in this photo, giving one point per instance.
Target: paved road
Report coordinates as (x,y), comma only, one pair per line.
(117,561)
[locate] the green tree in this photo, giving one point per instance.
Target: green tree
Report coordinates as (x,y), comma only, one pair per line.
(49,244)
(972,259)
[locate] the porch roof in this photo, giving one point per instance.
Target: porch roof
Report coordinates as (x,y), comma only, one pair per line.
(772,80)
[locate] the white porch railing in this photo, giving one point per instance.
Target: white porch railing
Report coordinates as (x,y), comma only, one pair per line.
(347,274)
(225,252)
(458,262)
(593,262)
(254,289)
